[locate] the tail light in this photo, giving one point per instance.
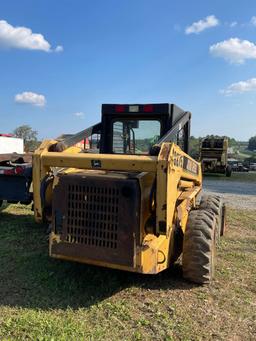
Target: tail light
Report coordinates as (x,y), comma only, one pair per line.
(119,108)
(19,170)
(148,108)
(12,171)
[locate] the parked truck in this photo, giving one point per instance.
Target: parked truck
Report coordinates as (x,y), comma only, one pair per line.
(15,171)
(15,178)
(214,155)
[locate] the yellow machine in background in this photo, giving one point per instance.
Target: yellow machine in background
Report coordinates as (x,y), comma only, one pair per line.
(132,204)
(214,155)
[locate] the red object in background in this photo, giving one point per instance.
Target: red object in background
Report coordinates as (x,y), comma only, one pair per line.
(148,108)
(7,135)
(19,170)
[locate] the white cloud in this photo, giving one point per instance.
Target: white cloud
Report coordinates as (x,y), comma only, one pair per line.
(23,38)
(253,20)
(240,87)
(59,48)
(201,25)
(233,24)
(234,50)
(79,114)
(30,98)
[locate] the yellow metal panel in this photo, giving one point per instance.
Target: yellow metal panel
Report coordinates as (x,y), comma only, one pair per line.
(178,177)
(161,188)
(174,175)
(37,178)
(105,161)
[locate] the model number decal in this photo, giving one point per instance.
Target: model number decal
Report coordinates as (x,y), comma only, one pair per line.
(190,165)
(187,164)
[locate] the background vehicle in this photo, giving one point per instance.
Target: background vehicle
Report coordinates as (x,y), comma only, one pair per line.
(253,166)
(10,144)
(239,167)
(15,179)
(15,172)
(134,205)
(214,156)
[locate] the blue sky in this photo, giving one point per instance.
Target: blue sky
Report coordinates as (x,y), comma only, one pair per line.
(130,51)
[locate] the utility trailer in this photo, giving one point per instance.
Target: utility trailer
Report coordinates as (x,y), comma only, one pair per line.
(15,171)
(10,144)
(135,204)
(214,156)
(15,179)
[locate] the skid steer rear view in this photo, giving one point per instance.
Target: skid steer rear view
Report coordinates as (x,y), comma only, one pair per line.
(133,203)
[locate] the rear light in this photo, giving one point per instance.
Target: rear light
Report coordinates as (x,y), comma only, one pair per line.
(133,108)
(19,170)
(148,108)
(12,171)
(119,108)
(9,172)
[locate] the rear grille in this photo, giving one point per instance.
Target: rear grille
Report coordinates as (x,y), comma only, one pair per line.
(93,216)
(96,217)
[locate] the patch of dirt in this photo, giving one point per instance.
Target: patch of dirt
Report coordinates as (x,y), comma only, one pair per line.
(239,195)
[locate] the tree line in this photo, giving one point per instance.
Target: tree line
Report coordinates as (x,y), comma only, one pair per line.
(31,141)
(29,137)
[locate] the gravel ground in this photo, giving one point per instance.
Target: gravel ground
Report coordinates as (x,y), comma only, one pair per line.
(241,195)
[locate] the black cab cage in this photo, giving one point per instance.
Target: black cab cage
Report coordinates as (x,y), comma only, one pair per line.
(175,125)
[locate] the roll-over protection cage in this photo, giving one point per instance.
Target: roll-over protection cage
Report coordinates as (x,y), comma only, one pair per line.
(175,126)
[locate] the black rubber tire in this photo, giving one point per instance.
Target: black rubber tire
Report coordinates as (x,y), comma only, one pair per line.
(228,171)
(199,247)
(214,204)
(1,203)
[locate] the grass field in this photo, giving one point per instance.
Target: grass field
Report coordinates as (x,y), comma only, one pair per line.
(46,299)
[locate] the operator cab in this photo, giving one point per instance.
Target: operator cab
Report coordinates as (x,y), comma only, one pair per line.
(136,128)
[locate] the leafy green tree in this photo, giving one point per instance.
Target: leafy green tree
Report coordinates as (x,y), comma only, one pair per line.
(194,144)
(28,135)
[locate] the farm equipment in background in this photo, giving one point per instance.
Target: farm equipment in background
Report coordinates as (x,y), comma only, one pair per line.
(15,179)
(15,171)
(133,204)
(214,155)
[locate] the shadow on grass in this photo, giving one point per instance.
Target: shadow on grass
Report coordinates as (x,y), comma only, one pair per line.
(30,278)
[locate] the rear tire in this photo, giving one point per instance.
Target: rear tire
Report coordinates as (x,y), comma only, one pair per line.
(215,204)
(228,171)
(199,247)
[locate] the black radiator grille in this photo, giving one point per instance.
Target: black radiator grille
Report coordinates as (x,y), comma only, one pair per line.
(93,215)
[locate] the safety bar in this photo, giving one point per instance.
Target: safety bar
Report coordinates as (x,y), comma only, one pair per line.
(72,140)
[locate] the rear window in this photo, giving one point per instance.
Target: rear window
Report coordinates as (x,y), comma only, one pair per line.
(135,136)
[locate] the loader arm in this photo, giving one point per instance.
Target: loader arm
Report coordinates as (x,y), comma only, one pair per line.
(72,140)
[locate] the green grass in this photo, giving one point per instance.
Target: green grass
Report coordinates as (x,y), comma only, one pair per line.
(45,299)
(242,177)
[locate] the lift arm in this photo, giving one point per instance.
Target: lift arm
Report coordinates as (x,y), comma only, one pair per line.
(72,140)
